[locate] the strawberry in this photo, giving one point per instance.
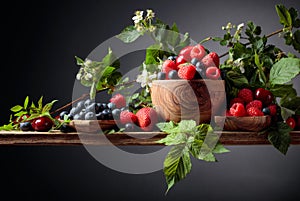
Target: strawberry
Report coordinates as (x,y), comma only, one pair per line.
(147,118)
(273,109)
(255,103)
(187,72)
(236,100)
(167,66)
(198,52)
(238,110)
(254,111)
(246,95)
(127,117)
(119,100)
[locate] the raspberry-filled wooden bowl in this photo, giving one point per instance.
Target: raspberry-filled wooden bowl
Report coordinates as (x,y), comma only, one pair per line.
(179,99)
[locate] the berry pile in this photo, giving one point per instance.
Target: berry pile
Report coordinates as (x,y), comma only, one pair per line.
(192,62)
(252,103)
(144,119)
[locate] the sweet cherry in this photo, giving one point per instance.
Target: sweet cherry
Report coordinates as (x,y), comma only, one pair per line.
(43,123)
(180,60)
(291,122)
(264,95)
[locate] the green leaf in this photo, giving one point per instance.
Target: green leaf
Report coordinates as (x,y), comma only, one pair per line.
(129,34)
(26,101)
(40,103)
(48,106)
(166,126)
(110,59)
(152,53)
(186,125)
(237,79)
(281,90)
(280,137)
(7,127)
(174,139)
(286,113)
(219,148)
(284,70)
(79,61)
(177,165)
(284,15)
(290,101)
(16,108)
(296,40)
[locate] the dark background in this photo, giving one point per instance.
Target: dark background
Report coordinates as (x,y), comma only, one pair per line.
(40,42)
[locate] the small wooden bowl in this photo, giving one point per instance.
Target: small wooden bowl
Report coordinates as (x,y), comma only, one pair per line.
(179,99)
(249,123)
(93,125)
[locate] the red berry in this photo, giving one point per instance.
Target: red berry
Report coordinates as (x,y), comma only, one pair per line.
(238,110)
(186,52)
(187,72)
(147,118)
(255,103)
(236,100)
(213,73)
(43,123)
(246,95)
(264,95)
(198,51)
(273,109)
(119,100)
(254,111)
(127,117)
(180,60)
(211,59)
(291,122)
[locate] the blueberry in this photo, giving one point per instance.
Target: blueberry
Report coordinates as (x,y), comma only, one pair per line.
(266,111)
(78,117)
(80,104)
(100,116)
(74,110)
(223,74)
(87,102)
(173,74)
(62,114)
(161,75)
(66,128)
(26,126)
(116,113)
(107,114)
(199,73)
(129,127)
(111,106)
(124,108)
(173,58)
(194,61)
(91,107)
(200,65)
(89,116)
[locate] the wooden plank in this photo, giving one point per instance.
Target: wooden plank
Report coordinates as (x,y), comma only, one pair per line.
(123,139)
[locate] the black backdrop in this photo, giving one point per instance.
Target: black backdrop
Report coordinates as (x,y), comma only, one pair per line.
(40,42)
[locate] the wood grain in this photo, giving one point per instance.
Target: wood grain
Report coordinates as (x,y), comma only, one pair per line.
(31,138)
(181,99)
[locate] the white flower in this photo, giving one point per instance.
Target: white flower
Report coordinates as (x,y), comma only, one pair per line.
(145,78)
(240,26)
(87,62)
(242,69)
(150,14)
(138,16)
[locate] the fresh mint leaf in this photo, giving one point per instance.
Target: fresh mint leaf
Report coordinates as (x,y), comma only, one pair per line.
(284,70)
(16,108)
(174,139)
(219,148)
(129,34)
(177,165)
(186,125)
(167,127)
(26,101)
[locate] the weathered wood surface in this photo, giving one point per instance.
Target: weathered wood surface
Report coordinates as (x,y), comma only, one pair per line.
(8,138)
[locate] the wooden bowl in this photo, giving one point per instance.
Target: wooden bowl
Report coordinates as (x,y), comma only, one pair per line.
(180,99)
(93,125)
(249,123)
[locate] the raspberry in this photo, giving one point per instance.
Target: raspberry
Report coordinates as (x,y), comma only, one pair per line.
(238,110)
(255,103)
(208,61)
(147,118)
(119,100)
(236,100)
(254,111)
(215,58)
(127,117)
(246,95)
(273,109)
(187,72)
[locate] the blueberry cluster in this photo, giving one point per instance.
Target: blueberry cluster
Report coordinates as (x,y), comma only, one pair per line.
(91,110)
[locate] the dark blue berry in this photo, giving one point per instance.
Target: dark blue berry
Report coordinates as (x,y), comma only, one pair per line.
(173,74)
(87,102)
(66,128)
(89,116)
(26,126)
(91,107)
(80,105)
(111,106)
(116,113)
(62,114)
(194,61)
(129,127)
(173,58)
(200,65)
(161,75)
(266,111)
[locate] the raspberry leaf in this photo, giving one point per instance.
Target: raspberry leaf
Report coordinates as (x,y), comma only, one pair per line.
(279,137)
(129,34)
